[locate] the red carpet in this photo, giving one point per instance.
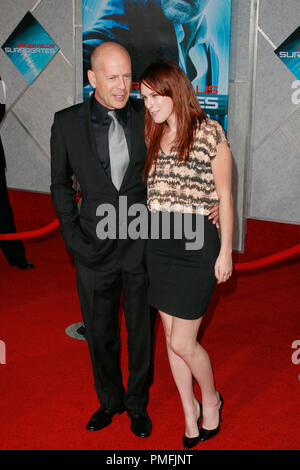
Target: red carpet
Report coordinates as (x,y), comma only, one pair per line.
(47,393)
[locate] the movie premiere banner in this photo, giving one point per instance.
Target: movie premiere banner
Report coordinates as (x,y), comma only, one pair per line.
(195,34)
(289,52)
(30,48)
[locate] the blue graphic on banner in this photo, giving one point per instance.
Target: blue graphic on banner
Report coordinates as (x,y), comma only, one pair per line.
(289,52)
(30,48)
(195,34)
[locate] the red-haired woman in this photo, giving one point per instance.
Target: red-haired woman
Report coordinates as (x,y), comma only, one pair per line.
(188,170)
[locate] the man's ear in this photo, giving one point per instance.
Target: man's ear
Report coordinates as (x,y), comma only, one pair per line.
(91,78)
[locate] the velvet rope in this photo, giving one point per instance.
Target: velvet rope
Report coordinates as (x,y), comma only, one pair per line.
(268,259)
(31,234)
(38,232)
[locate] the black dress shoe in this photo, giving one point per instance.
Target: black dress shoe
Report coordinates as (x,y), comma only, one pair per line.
(22,263)
(189,442)
(141,424)
(206,434)
(103,417)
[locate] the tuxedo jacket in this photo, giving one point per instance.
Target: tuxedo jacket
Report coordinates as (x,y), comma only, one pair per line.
(73,152)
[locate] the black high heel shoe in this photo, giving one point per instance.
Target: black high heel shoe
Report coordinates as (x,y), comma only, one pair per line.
(206,434)
(189,442)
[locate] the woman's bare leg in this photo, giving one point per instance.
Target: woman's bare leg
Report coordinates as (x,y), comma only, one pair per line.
(184,348)
(184,381)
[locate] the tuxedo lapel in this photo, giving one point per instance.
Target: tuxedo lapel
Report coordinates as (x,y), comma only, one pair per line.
(136,128)
(88,134)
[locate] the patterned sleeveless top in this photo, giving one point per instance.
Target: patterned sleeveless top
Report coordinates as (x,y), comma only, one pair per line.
(190,187)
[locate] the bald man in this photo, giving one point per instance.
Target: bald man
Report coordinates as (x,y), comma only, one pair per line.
(84,144)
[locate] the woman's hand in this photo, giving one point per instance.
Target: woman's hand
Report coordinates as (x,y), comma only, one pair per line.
(214,215)
(223,267)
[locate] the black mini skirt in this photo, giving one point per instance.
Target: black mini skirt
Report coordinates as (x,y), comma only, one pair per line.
(181,280)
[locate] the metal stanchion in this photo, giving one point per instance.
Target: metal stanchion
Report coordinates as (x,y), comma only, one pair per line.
(76,331)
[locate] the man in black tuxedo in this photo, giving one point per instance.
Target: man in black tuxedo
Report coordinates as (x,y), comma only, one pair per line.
(13,250)
(81,145)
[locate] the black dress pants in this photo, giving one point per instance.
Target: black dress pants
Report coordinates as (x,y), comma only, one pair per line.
(99,295)
(12,249)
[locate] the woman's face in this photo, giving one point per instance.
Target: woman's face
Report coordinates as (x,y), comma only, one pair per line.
(160,107)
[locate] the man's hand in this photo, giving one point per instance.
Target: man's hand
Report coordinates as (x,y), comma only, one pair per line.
(214,215)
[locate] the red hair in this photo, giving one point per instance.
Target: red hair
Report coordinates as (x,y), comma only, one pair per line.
(166,78)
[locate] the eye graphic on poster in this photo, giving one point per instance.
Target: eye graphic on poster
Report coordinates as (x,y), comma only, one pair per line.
(195,34)
(30,48)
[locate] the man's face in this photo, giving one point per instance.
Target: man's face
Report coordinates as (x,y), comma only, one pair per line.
(183,11)
(111,78)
